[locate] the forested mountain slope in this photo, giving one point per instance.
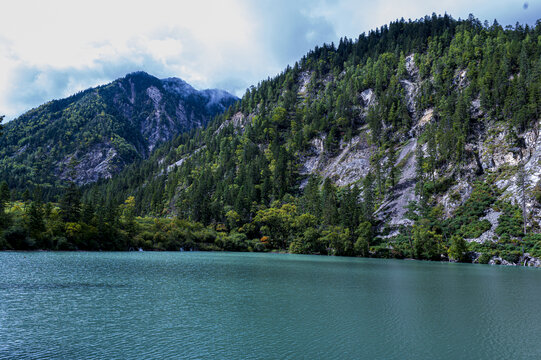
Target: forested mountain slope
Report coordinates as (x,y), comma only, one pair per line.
(411,117)
(95,133)
(419,139)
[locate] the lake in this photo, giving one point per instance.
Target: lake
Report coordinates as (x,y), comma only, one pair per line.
(201,305)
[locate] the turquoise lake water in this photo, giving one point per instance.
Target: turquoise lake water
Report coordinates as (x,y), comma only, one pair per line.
(200,305)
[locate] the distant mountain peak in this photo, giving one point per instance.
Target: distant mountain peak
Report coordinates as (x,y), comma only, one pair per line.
(177,85)
(138,73)
(106,128)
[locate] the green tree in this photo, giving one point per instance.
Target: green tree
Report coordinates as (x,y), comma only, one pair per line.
(329,203)
(426,242)
(523,186)
(364,237)
(70,204)
(87,213)
(338,241)
(4,195)
(128,216)
(458,249)
(312,198)
(350,208)
(35,217)
(391,167)
(4,200)
(277,224)
(233,219)
(368,197)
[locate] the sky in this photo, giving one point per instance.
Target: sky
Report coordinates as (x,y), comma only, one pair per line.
(52,49)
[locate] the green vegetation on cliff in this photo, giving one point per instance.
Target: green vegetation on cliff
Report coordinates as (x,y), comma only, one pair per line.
(101,130)
(244,182)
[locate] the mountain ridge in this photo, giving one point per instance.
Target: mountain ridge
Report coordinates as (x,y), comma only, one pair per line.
(420,117)
(104,128)
(419,139)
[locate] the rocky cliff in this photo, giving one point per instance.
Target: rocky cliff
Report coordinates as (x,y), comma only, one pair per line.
(493,150)
(414,140)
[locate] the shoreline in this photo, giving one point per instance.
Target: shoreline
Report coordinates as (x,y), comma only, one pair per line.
(533,262)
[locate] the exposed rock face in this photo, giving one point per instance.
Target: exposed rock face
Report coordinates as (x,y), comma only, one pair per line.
(171,105)
(350,164)
(158,126)
(500,154)
(178,163)
(237,121)
(492,150)
(461,79)
(411,68)
(101,161)
(368,97)
(411,89)
(304,82)
(426,118)
(528,260)
(455,197)
(496,150)
(395,207)
(411,85)
(492,216)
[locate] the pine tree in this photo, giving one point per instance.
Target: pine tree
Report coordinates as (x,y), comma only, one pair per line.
(368,197)
(350,209)
(364,238)
(4,196)
(329,203)
(312,199)
(128,216)
(36,224)
(522,184)
(87,213)
(70,204)
(281,173)
(420,172)
(4,200)
(391,167)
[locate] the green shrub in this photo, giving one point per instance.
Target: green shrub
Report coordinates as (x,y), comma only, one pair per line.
(474,229)
(510,222)
(458,249)
(17,237)
(465,221)
(512,256)
(439,186)
(484,258)
(61,243)
(232,242)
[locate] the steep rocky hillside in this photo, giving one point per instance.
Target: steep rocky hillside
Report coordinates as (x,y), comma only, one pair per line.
(419,139)
(95,133)
(418,128)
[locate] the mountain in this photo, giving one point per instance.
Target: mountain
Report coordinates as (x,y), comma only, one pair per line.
(421,129)
(419,139)
(96,133)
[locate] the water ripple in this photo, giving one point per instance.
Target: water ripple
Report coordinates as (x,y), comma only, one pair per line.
(261,306)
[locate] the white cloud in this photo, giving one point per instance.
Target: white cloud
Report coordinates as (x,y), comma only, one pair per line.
(50,49)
